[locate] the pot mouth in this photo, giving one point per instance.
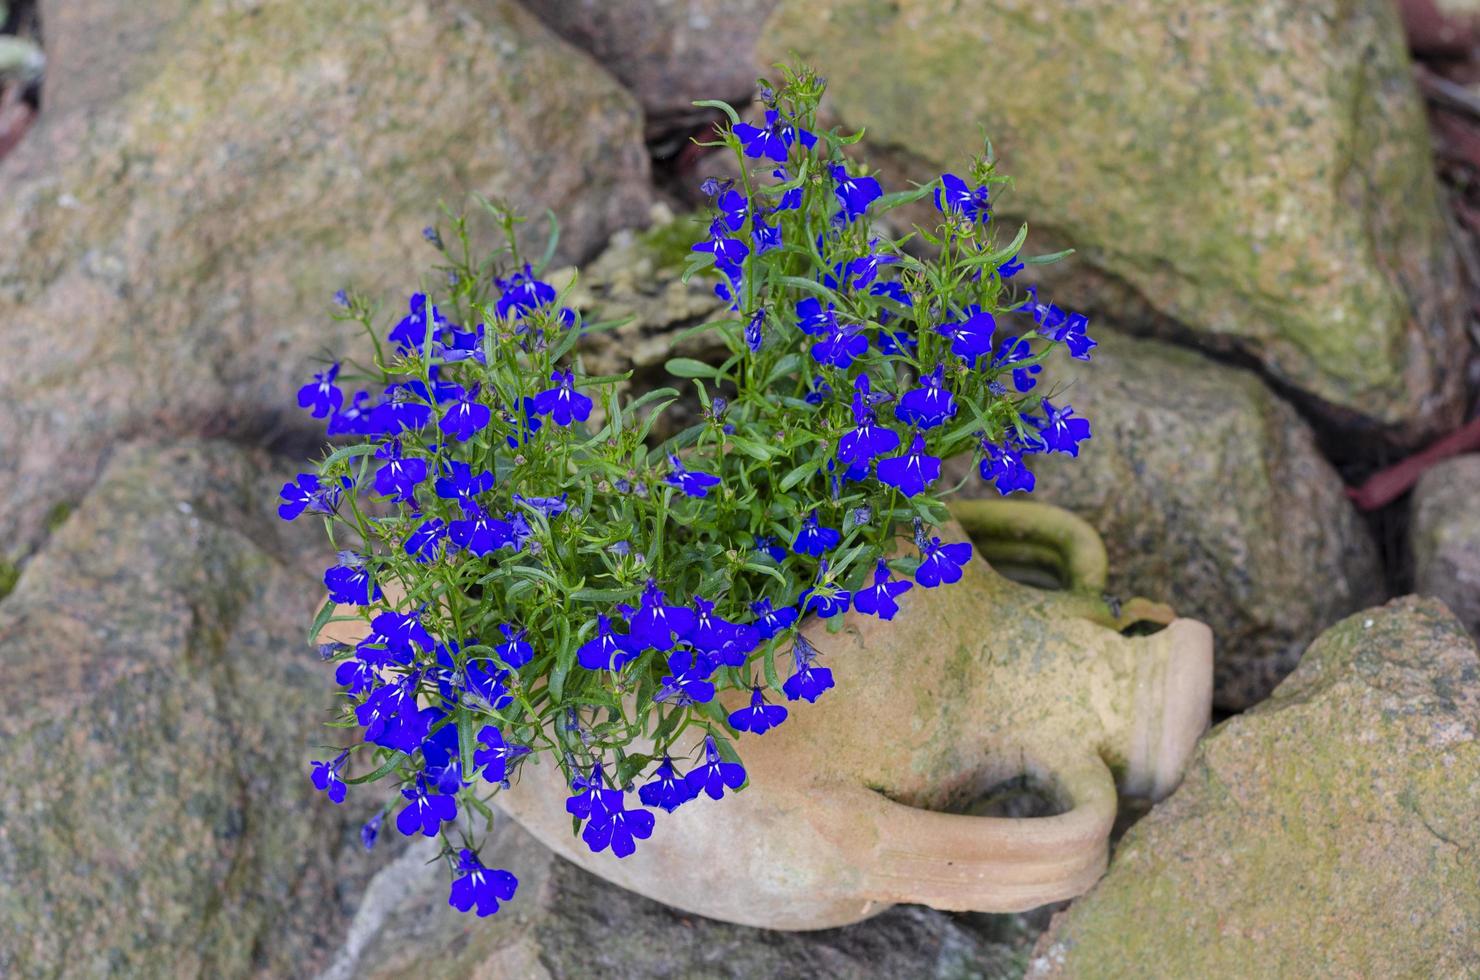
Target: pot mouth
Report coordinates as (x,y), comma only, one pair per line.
(1035,544)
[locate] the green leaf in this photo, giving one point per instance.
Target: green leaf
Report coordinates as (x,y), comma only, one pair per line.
(550,245)
(724,107)
(391,764)
(687,367)
(465,740)
(1046,259)
(899,198)
(325,613)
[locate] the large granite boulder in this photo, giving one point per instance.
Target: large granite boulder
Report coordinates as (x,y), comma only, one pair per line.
(205,175)
(1256,173)
(1446,537)
(1211,495)
(156,818)
(1328,832)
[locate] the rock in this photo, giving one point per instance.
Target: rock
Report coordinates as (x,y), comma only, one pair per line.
(564,923)
(1446,537)
(206,175)
(1256,173)
(1210,495)
(1328,832)
(669,53)
(156,817)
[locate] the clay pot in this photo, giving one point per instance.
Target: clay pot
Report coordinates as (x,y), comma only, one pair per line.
(849,807)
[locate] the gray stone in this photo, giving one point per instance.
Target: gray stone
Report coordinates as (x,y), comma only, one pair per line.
(1328,832)
(1446,537)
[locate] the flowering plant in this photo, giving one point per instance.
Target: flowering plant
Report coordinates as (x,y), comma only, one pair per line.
(542,581)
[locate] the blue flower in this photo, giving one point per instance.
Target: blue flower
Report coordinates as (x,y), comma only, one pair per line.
(930,404)
(766,237)
(495,756)
(522,293)
(814,539)
(515,651)
(868,439)
(608,649)
(400,475)
(767,545)
(322,397)
(425,812)
(399,411)
(956,195)
(426,541)
(325,776)
(401,633)
(463,345)
(545,506)
(808,680)
(753,335)
(667,790)
(971,337)
(310,494)
(459,483)
(773,141)
(789,200)
(879,598)
(825,600)
(689,482)
(911,471)
(370,831)
(354,420)
(729,253)
(770,621)
(1010,268)
(1005,465)
(355,676)
(840,347)
(1060,430)
(820,390)
(466,416)
(479,887)
(562,403)
(687,680)
(656,624)
(733,208)
(480,533)
(579,803)
(612,824)
(941,563)
(725,642)
(855,193)
(411,332)
(760,717)
(715,775)
(525,425)
(813,320)
(349,583)
(1015,350)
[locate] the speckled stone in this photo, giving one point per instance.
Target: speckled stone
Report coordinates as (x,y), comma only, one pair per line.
(1446,537)
(1257,173)
(205,175)
(1328,832)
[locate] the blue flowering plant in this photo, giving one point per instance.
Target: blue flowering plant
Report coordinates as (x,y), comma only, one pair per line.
(543,581)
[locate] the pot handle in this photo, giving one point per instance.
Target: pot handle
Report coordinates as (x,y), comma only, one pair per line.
(965,863)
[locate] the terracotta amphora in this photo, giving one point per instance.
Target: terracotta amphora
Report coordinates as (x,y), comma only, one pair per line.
(858,801)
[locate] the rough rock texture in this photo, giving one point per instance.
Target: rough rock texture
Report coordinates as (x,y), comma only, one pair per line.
(668,52)
(1446,537)
(1329,832)
(1210,495)
(564,923)
(1258,172)
(206,174)
(155,815)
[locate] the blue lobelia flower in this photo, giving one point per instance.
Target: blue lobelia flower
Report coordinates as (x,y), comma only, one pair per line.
(722,641)
(525,425)
(855,193)
(443,761)
(477,887)
(657,624)
(808,680)
(425,543)
(400,410)
(458,482)
(466,417)
(840,347)
(309,493)
(462,345)
(522,293)
(766,237)
(546,506)
(813,320)
(425,812)
(789,200)
(515,651)
(687,680)
(911,471)
(863,270)
(612,824)
(955,195)
(1004,464)
(1014,351)
(766,545)
(325,777)
(929,405)
(753,336)
(667,790)
(772,141)
(715,775)
(349,582)
(941,563)
(608,649)
(827,600)
(689,482)
(354,420)
(322,398)
(729,253)
(760,717)
(480,533)
(1059,326)
(879,598)
(586,787)
(733,208)
(1010,268)
(814,539)
(562,403)
(1060,430)
(370,831)
(495,756)
(971,337)
(356,676)
(399,475)
(400,634)
(819,391)
(772,621)
(868,439)
(411,332)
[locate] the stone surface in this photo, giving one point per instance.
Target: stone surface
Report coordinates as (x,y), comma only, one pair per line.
(668,52)
(205,176)
(1446,537)
(1257,173)
(565,924)
(1210,495)
(1328,832)
(155,814)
